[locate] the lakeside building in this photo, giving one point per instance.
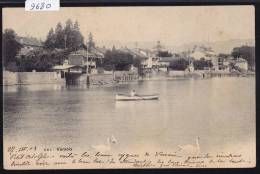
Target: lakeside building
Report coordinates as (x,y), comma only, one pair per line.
(206,53)
(86,59)
(164,62)
(226,64)
(242,64)
(28,44)
(79,62)
(62,70)
(148,59)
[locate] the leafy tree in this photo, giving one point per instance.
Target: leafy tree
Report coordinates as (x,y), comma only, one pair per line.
(246,52)
(223,55)
(164,54)
(137,63)
(201,64)
(10,47)
(116,60)
(42,59)
(179,64)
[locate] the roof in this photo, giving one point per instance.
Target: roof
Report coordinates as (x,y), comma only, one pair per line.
(135,52)
(62,67)
(101,50)
(168,59)
(23,51)
(83,52)
(29,41)
(241,60)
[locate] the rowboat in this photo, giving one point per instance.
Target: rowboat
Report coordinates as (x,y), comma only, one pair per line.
(124,97)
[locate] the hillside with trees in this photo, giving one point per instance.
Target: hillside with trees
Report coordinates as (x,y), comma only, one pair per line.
(57,46)
(117,60)
(10,47)
(67,37)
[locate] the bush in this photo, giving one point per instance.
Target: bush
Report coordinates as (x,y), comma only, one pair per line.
(202,64)
(41,60)
(116,60)
(179,64)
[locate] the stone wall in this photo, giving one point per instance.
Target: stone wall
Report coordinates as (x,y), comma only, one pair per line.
(16,78)
(9,78)
(177,73)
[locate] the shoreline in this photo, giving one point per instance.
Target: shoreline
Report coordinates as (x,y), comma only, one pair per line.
(102,83)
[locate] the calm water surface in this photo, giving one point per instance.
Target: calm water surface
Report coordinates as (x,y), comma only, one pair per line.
(221,111)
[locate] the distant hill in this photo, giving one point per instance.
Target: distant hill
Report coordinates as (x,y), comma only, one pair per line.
(218,47)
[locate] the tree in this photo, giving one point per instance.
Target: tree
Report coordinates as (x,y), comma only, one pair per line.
(113,48)
(223,55)
(164,54)
(42,59)
(179,64)
(74,38)
(68,37)
(50,41)
(202,64)
(77,40)
(10,47)
(59,37)
(246,52)
(76,26)
(91,43)
(116,60)
(68,33)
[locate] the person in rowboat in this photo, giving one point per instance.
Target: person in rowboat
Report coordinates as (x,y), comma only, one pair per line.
(133,93)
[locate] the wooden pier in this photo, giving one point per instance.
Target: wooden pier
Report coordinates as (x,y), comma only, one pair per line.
(126,78)
(216,74)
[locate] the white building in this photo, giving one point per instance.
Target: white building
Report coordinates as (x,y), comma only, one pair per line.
(205,53)
(241,63)
(148,59)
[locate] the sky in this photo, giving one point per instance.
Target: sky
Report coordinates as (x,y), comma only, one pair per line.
(171,25)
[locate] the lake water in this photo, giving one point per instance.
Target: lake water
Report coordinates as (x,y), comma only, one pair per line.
(221,111)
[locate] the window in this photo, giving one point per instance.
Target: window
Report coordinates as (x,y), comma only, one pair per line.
(62,74)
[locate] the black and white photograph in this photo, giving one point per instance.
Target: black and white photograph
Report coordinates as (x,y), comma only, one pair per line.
(129,87)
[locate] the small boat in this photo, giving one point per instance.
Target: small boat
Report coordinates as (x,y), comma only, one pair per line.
(124,97)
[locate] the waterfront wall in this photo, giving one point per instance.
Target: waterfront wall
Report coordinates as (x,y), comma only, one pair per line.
(9,78)
(27,78)
(96,79)
(17,78)
(176,73)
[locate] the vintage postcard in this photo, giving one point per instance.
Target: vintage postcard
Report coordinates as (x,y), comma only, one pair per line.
(129,87)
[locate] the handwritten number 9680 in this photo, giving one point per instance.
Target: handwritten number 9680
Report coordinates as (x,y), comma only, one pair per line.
(40,6)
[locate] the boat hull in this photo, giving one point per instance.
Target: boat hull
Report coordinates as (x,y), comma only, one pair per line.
(122,97)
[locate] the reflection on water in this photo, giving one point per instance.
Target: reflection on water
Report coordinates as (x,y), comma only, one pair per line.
(221,111)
